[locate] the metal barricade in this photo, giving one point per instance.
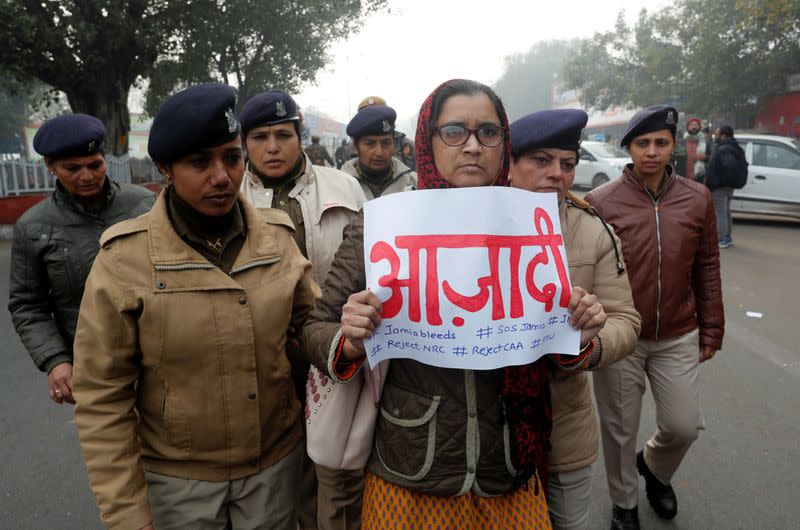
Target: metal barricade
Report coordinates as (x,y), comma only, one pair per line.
(19,176)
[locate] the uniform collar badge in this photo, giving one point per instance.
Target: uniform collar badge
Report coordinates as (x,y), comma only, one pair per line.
(280,109)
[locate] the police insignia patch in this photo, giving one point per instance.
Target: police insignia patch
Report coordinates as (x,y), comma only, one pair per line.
(280,109)
(386,126)
(671,118)
(233,125)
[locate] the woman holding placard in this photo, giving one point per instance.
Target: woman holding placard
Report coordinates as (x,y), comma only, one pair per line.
(453,448)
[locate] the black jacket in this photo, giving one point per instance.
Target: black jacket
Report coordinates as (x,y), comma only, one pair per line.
(724,164)
(55,243)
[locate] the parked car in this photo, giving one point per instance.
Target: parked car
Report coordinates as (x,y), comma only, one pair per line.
(599,163)
(773,178)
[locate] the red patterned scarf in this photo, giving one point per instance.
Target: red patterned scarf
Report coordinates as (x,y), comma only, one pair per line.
(526,388)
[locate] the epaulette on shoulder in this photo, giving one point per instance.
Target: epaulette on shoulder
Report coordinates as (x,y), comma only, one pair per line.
(274,216)
(577,202)
(122,229)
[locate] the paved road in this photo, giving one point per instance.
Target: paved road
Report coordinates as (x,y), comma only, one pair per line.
(743,472)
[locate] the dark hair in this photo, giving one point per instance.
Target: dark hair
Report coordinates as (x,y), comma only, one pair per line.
(465,87)
(727,130)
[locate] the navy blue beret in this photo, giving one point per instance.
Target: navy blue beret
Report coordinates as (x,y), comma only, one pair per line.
(268,108)
(70,135)
(555,128)
(374,119)
(651,119)
(199,117)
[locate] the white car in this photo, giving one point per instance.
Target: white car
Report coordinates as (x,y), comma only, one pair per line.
(599,162)
(773,178)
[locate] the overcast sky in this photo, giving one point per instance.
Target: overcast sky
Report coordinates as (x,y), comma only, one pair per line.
(402,56)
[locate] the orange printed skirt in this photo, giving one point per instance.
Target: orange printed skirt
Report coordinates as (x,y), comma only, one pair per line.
(387,506)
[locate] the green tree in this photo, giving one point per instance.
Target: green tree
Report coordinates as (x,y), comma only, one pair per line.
(95,50)
(255,44)
(92,50)
(527,83)
(698,54)
(12,109)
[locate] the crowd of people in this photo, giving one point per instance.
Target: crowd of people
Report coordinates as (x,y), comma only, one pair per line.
(184,327)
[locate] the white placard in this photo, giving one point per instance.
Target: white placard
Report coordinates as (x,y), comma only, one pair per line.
(471,278)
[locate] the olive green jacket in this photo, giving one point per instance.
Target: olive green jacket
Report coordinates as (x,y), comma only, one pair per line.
(440,431)
(55,243)
(403,178)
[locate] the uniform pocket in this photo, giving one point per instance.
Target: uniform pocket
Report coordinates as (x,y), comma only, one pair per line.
(58,256)
(173,420)
(405,439)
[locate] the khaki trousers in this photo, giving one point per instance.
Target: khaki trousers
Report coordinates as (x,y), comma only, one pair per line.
(307,503)
(340,495)
(264,501)
(568,497)
(672,368)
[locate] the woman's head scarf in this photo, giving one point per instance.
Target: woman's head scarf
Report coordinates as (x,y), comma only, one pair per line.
(525,388)
(428,176)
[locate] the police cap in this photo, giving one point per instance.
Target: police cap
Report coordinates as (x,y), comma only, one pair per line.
(70,135)
(196,118)
(268,108)
(374,119)
(555,128)
(651,119)
(371,100)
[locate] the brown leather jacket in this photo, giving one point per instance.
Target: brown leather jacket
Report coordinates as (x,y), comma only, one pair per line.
(671,249)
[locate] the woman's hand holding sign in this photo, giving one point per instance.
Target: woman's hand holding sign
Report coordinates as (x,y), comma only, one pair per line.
(361,315)
(588,314)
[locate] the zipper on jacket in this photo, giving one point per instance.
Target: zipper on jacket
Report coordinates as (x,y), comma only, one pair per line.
(253,264)
(658,239)
(185,267)
(209,266)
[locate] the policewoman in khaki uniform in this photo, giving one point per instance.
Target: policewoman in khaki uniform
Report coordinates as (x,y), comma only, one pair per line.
(544,150)
(186,408)
(321,202)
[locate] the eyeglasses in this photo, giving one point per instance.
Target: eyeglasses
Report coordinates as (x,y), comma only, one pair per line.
(457,135)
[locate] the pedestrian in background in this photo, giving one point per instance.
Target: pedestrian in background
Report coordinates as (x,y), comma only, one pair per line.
(320,201)
(375,167)
(727,171)
(451,469)
(668,231)
(186,407)
(340,155)
(544,151)
(56,241)
(318,154)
